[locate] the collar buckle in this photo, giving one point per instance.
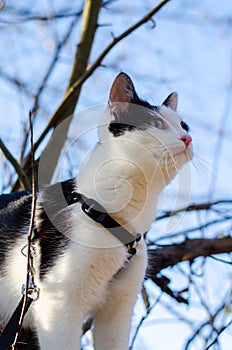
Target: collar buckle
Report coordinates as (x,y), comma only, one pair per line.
(98,213)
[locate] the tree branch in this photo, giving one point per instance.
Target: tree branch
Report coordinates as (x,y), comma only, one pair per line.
(23,179)
(19,17)
(45,79)
(193,207)
(165,256)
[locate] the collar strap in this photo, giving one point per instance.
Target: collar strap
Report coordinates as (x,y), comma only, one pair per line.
(98,213)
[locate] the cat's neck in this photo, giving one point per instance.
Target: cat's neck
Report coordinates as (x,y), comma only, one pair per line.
(127,186)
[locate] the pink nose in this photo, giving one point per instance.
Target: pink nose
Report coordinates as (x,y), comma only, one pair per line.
(186,139)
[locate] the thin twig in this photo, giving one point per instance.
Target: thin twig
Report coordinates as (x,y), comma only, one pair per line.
(32,218)
(45,79)
(148,311)
(20,18)
(187,231)
(219,333)
(16,82)
(193,207)
(210,321)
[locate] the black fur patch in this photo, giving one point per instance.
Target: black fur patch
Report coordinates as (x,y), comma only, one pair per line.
(6,199)
(51,239)
(138,116)
(15,215)
(118,129)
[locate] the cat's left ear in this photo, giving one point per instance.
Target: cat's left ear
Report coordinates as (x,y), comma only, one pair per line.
(122,93)
(171,101)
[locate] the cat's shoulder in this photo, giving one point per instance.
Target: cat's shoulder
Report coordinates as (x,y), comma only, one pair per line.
(15,207)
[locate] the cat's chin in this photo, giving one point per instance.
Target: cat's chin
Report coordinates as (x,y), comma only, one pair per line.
(183,157)
(172,164)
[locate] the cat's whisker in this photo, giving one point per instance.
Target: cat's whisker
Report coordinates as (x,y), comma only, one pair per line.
(165,158)
(201,166)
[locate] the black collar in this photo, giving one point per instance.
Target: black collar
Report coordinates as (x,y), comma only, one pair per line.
(98,213)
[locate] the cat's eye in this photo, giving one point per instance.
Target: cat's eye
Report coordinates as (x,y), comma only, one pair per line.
(158,123)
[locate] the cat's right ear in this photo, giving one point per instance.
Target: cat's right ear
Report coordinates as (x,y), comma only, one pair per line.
(122,93)
(171,101)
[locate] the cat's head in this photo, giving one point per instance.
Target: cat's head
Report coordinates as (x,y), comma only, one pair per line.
(155,133)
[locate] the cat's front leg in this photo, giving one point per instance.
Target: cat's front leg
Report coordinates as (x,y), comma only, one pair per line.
(113,320)
(58,324)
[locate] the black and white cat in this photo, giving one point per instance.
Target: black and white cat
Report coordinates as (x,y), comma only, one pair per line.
(81,268)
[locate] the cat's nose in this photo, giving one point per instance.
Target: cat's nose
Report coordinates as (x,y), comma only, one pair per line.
(186,139)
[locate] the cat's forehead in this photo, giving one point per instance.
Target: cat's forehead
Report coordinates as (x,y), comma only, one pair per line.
(168,114)
(165,113)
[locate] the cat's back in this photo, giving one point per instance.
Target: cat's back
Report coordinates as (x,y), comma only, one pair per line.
(15,211)
(15,208)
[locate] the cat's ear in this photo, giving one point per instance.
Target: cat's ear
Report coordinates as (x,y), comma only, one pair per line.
(122,93)
(171,101)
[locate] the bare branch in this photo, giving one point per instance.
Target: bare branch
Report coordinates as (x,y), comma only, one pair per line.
(193,207)
(16,82)
(210,321)
(219,333)
(163,283)
(20,17)
(23,179)
(30,233)
(148,310)
(45,79)
(169,255)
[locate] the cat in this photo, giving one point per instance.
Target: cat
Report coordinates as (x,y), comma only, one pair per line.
(81,268)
